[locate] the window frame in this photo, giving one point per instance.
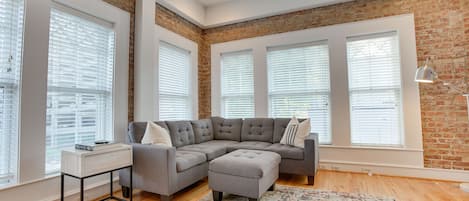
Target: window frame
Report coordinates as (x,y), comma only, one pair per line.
(395,89)
(187,97)
(57,7)
(322,92)
(14,87)
(249,96)
(336,37)
(163,34)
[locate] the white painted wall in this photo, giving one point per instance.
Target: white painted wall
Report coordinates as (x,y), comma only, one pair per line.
(411,154)
(145,61)
(33,183)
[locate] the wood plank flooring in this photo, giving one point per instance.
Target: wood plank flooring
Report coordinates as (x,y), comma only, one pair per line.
(401,188)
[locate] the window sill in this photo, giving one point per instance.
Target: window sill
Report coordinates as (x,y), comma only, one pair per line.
(47,177)
(371,148)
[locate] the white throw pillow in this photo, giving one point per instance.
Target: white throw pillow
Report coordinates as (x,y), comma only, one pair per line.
(155,134)
(296,133)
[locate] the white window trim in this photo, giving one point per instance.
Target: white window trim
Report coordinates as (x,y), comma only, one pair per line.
(34,91)
(163,34)
(340,119)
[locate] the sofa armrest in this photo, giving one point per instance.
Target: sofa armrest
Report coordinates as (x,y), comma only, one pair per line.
(154,169)
(312,151)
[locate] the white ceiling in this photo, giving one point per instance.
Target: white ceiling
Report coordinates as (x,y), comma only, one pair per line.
(213,13)
(208,3)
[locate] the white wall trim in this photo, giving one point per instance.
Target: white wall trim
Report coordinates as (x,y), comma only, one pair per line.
(121,25)
(396,170)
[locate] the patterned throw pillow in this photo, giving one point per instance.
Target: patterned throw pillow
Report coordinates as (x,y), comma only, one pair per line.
(296,133)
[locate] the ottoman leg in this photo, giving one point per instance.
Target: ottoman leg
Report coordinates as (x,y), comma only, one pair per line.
(272,188)
(217,195)
(310,180)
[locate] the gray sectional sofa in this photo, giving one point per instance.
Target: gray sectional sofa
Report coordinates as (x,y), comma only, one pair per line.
(166,170)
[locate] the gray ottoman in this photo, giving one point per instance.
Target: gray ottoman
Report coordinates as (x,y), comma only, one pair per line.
(248,173)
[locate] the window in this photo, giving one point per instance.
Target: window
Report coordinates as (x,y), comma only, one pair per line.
(175,94)
(80,82)
(237,85)
(375,89)
(299,84)
(11,41)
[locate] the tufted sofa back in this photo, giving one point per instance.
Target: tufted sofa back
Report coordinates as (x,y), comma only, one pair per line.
(181,133)
(136,130)
(257,129)
(203,130)
(216,128)
(227,129)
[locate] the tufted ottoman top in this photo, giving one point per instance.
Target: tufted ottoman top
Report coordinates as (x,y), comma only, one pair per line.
(245,163)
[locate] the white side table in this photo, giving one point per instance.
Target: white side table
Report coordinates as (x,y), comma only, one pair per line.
(82,164)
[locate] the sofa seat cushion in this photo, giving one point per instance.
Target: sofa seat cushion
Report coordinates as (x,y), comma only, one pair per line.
(253,145)
(188,159)
(246,163)
(211,149)
(287,151)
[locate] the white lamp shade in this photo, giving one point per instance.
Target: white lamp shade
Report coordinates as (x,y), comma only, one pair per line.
(425,74)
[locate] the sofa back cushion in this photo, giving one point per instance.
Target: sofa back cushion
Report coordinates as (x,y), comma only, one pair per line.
(258,129)
(181,133)
(136,130)
(203,130)
(280,124)
(227,129)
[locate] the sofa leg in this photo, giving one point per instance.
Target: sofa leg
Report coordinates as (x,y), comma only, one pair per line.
(217,195)
(253,199)
(166,197)
(310,180)
(272,188)
(125,192)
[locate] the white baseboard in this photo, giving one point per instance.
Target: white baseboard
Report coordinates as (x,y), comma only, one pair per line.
(92,191)
(396,170)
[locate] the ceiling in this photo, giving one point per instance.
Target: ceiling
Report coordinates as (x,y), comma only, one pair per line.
(208,3)
(213,13)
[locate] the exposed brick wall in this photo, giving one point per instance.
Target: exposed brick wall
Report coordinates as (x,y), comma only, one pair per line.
(442,33)
(129,6)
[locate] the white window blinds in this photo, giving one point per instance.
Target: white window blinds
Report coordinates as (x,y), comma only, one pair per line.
(11,35)
(299,84)
(375,89)
(175,94)
(237,84)
(80,83)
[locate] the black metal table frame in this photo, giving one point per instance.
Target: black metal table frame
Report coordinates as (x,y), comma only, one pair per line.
(111,196)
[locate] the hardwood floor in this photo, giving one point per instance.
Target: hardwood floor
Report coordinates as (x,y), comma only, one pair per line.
(401,188)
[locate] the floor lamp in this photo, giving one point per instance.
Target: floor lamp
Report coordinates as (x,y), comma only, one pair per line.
(426,74)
